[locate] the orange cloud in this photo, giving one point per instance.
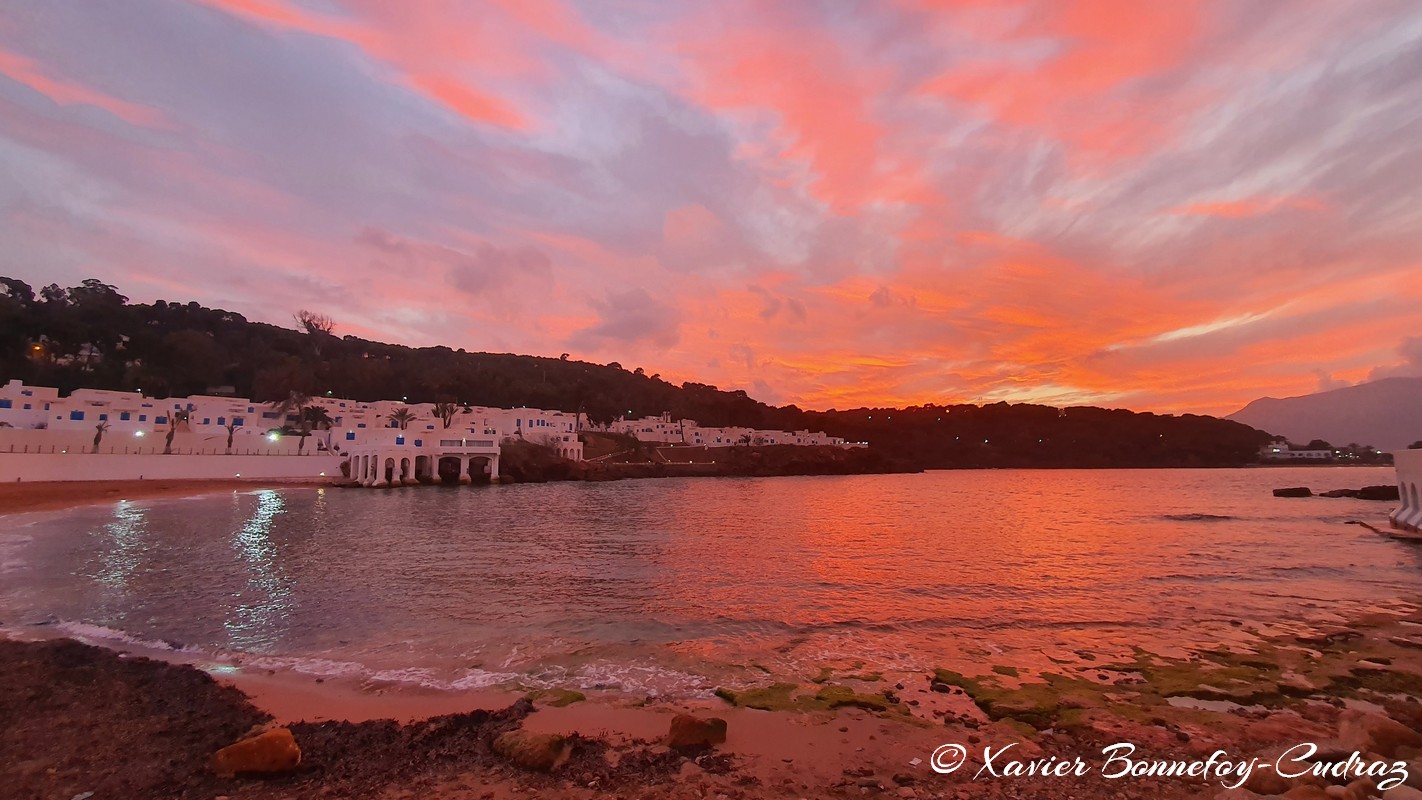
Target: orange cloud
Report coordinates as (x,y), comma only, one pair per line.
(66,93)
(1250,207)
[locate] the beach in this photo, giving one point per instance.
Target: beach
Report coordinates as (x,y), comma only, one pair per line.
(401,637)
(88,719)
(20,497)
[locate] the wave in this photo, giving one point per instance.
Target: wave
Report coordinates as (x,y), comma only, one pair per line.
(1197,517)
(634,677)
(99,634)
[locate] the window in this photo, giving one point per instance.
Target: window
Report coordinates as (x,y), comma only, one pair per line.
(5,403)
(103,417)
(419,442)
(222,420)
(400,439)
(237,420)
(350,436)
(160,420)
(207,420)
(76,415)
(27,393)
(125,416)
(27,406)
(251,410)
(362,425)
(142,417)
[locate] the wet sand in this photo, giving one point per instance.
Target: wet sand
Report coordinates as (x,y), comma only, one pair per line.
(59,495)
(121,725)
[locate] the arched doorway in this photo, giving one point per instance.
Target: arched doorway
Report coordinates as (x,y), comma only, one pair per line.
(450,468)
(479,470)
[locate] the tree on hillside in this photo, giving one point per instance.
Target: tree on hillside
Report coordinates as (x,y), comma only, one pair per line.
(318,328)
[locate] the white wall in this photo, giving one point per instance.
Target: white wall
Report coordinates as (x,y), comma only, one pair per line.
(104,467)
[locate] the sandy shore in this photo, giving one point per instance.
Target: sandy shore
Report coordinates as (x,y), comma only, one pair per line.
(58,495)
(85,719)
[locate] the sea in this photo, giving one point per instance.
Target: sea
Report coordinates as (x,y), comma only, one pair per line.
(674,587)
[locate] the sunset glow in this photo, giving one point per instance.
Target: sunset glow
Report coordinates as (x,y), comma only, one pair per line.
(1160,206)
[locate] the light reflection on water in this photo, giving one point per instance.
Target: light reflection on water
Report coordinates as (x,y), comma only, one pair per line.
(259,618)
(676,585)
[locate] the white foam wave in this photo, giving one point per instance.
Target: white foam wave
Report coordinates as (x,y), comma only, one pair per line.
(644,679)
(99,634)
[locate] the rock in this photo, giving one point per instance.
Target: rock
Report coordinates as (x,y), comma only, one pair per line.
(1306,793)
(1237,793)
(1339,493)
(1360,789)
(1388,492)
(1402,793)
(1373,733)
(689,731)
(1267,781)
(907,792)
(540,752)
(1294,491)
(273,751)
(904,779)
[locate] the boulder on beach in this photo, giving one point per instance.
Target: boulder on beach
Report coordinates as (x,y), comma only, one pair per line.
(540,752)
(689,731)
(1366,732)
(273,751)
(1339,493)
(1294,491)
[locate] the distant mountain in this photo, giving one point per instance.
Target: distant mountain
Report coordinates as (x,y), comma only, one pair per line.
(1386,414)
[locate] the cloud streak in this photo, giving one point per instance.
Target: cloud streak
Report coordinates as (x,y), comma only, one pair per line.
(1175,207)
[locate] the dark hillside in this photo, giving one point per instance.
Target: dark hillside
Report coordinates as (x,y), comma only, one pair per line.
(91,336)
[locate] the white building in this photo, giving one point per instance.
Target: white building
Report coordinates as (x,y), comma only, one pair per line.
(388,442)
(1408,516)
(666,430)
(1280,451)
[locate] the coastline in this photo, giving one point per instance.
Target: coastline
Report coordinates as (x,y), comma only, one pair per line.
(24,497)
(1347,687)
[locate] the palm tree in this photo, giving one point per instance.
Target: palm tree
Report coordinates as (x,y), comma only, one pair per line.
(446,412)
(313,417)
(402,417)
(294,401)
(231,429)
(99,434)
(172,430)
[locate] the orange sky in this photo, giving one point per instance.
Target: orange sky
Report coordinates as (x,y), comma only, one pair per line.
(1161,206)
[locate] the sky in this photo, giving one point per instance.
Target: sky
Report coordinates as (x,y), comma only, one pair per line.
(1172,206)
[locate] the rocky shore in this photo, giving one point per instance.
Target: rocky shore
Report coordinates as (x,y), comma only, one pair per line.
(80,720)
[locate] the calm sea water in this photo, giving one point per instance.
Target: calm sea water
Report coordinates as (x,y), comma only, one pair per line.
(677,586)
